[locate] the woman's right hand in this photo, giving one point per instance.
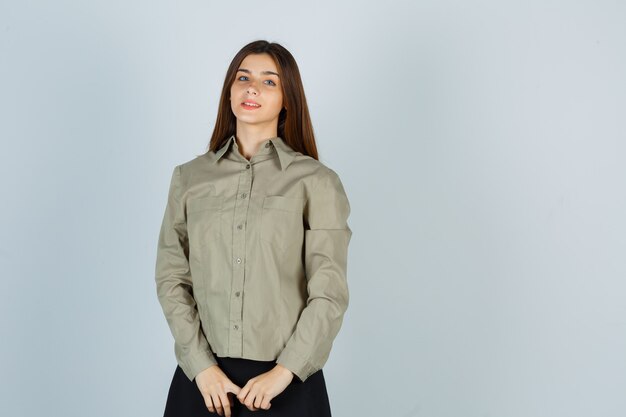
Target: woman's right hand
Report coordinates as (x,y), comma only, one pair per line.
(214,386)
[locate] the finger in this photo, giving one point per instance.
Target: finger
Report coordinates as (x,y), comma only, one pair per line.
(249,401)
(235,389)
(241,395)
(225,403)
(209,403)
(218,404)
(258,400)
(266,403)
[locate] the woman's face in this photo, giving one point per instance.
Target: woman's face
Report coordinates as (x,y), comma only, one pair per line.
(257,81)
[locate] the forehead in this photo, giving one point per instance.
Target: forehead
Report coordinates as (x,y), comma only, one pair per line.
(259,62)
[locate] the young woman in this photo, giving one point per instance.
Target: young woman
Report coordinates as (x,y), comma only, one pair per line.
(252,253)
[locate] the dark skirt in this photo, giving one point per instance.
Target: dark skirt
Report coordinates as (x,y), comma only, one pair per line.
(302,399)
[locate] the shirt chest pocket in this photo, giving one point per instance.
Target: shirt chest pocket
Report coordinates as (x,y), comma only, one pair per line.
(281,221)
(204,220)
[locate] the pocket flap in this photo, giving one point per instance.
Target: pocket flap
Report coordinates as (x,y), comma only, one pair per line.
(284,203)
(204,203)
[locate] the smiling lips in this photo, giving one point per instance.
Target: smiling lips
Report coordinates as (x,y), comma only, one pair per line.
(250,105)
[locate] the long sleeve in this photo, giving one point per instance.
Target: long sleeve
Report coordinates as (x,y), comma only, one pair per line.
(174,286)
(327,236)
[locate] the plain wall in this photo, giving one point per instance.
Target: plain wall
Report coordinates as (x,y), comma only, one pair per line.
(481,145)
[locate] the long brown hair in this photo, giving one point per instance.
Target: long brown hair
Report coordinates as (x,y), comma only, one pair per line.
(294,121)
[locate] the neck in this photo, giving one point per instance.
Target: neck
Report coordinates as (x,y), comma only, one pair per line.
(249,137)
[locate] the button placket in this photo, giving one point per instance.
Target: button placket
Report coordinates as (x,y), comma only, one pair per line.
(235,345)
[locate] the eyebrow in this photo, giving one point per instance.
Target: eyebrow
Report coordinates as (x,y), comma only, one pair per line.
(262,72)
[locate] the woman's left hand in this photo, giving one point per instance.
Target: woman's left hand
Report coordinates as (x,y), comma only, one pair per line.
(259,391)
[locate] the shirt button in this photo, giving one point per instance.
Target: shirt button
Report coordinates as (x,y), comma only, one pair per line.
(243,195)
(235,327)
(267,145)
(239,226)
(238,260)
(237,294)
(247,166)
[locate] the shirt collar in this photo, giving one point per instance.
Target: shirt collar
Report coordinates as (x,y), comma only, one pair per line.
(285,153)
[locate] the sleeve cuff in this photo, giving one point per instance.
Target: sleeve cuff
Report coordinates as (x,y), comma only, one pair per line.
(296,364)
(197,363)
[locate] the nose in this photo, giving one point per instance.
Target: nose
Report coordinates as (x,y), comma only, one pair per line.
(252,88)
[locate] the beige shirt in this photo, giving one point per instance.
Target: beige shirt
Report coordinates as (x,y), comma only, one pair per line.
(252,258)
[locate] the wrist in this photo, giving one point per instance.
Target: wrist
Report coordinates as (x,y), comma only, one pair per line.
(284,370)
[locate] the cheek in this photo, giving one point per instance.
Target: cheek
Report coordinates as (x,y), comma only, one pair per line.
(235,96)
(277,102)
(236,90)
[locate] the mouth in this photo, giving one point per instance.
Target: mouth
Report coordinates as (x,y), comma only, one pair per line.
(250,105)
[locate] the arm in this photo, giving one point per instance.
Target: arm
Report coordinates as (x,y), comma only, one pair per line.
(327,236)
(174,286)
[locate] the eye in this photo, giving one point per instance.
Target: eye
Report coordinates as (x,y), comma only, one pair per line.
(272,82)
(240,78)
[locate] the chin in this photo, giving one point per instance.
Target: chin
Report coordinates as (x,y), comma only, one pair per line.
(252,120)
